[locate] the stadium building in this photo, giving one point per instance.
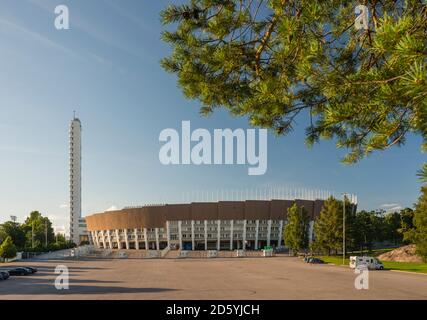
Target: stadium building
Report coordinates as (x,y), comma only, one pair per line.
(222,225)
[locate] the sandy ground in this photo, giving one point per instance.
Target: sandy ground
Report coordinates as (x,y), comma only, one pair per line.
(189,279)
(402,254)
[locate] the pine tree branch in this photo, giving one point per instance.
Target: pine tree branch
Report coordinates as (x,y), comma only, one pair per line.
(377,81)
(264,40)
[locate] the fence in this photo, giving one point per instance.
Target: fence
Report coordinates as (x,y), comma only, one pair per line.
(61,254)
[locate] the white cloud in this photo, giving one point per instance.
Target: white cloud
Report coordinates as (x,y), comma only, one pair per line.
(49,8)
(391,207)
(56,217)
(94,31)
(59,229)
(35,36)
(63,206)
(388,205)
(112,208)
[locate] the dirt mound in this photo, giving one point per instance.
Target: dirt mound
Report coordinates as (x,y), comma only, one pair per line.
(402,254)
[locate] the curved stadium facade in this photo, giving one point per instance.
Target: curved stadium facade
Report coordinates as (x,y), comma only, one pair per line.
(223,225)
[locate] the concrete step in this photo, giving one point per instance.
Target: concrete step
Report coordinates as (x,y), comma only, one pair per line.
(172,254)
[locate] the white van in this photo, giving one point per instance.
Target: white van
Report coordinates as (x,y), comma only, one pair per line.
(370,262)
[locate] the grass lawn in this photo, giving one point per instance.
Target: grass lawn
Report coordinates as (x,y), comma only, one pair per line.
(406,266)
(388,265)
(335,260)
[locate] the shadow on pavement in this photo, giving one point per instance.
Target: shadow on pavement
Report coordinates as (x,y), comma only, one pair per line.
(43,286)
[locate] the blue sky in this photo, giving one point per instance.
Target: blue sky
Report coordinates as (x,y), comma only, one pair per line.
(106,67)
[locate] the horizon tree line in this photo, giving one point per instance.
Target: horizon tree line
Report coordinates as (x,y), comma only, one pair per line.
(35,234)
(363,228)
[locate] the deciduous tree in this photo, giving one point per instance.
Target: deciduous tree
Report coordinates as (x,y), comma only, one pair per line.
(14,230)
(7,249)
(296,229)
(39,225)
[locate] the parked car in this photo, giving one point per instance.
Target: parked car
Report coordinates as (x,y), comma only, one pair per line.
(316,261)
(19,271)
(32,269)
(307,259)
(4,275)
(313,260)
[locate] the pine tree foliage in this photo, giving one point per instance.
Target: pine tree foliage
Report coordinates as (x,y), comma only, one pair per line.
(273,60)
(422,173)
(328,227)
(419,233)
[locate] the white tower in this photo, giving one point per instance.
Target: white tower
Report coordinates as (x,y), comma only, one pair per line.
(75,179)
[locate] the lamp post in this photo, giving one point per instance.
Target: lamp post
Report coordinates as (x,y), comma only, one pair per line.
(343,228)
(32,235)
(45,232)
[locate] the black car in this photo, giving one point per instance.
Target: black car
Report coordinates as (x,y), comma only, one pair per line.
(4,275)
(316,261)
(306,259)
(31,269)
(19,271)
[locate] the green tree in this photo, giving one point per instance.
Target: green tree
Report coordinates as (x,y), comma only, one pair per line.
(14,230)
(393,224)
(381,227)
(273,60)
(422,173)
(418,234)
(60,243)
(328,227)
(406,221)
(60,238)
(39,224)
(296,230)
(365,230)
(7,249)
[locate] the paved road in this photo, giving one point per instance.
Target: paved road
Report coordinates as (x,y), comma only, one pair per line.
(235,278)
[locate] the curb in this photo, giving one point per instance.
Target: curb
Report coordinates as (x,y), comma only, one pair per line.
(338,265)
(410,272)
(402,271)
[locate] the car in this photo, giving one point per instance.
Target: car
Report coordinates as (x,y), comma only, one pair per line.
(4,275)
(19,271)
(32,269)
(306,259)
(370,262)
(315,260)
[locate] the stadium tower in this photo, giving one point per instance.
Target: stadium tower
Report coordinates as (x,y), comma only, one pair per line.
(75,179)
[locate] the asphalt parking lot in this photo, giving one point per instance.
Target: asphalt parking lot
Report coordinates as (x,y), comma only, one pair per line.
(194,279)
